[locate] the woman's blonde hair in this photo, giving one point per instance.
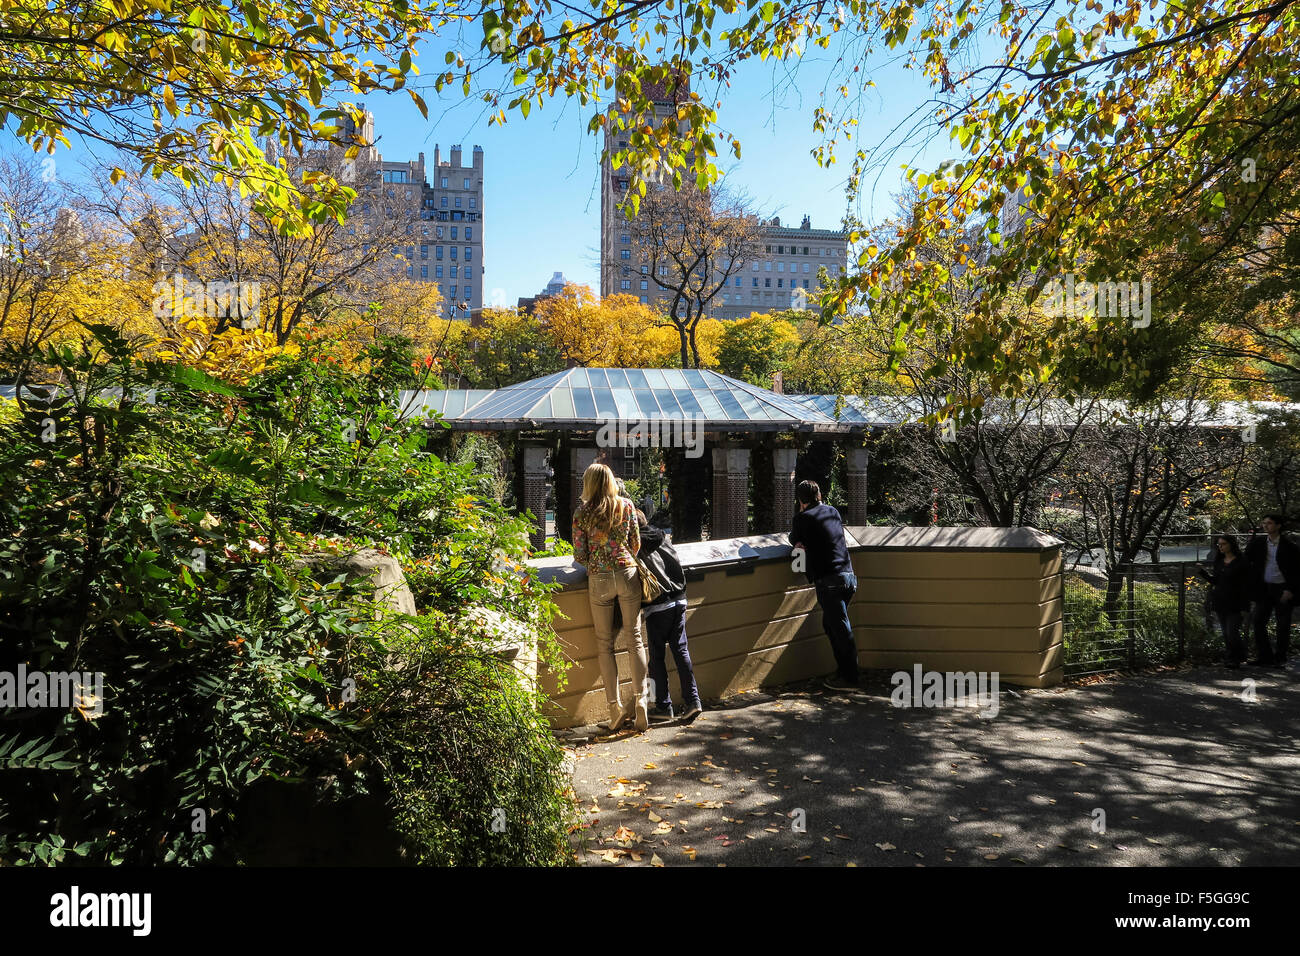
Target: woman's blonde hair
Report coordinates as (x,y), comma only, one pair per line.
(600,508)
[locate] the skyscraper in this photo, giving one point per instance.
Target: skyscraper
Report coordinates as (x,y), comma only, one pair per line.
(442,207)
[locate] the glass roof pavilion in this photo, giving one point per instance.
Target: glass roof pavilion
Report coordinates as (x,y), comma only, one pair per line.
(581,398)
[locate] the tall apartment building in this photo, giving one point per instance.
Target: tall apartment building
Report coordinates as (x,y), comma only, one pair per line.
(781,273)
(442,207)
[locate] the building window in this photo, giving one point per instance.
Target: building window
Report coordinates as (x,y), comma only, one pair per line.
(473,203)
(437,271)
(807,266)
(778,283)
(410,272)
(437,252)
(644,300)
(780,267)
(625,237)
(452,251)
(469,294)
(444,182)
(395,176)
(767,283)
(645,270)
(767,266)
(453,292)
(805,250)
(767,248)
(439,232)
(424,230)
(365,247)
(645,284)
(457,202)
(755,266)
(625,253)
(466,186)
(410,252)
(755,282)
(444,202)
(453,271)
(424,272)
(424,251)
(663,270)
(805,283)
(469,233)
(453,231)
(469,253)
(625,284)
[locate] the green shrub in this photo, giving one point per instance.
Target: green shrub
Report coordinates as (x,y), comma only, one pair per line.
(158,544)
(474,773)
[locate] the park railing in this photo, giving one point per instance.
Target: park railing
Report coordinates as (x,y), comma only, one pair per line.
(1140,615)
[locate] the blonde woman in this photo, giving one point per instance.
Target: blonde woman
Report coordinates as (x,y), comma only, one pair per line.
(606,541)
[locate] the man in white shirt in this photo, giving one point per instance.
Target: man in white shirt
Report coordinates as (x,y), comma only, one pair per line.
(1274,562)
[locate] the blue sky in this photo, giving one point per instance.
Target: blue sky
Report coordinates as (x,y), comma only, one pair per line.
(541,175)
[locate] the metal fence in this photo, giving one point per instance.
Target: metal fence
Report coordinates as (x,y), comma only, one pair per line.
(1142,614)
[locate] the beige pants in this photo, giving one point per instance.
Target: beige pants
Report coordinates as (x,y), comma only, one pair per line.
(603,589)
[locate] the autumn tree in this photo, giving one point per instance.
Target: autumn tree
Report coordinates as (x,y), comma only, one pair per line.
(613,332)
(192,90)
(350,275)
(1136,470)
(1131,135)
(754,348)
(692,242)
(507,348)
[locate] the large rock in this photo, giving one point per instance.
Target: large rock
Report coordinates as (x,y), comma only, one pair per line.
(383,570)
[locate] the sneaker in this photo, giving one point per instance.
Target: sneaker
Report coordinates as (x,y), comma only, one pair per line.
(659,715)
(692,711)
(839,683)
(642,721)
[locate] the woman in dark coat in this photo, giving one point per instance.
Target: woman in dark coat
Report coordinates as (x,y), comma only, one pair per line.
(1230,595)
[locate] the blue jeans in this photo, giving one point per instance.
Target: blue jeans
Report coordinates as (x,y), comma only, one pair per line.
(667,629)
(834,592)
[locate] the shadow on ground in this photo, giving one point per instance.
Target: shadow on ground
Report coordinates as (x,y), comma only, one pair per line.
(1185,769)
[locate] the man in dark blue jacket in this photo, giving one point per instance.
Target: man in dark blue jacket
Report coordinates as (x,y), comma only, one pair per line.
(665,626)
(819,531)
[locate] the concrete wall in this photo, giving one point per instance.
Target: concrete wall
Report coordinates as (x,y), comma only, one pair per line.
(983,599)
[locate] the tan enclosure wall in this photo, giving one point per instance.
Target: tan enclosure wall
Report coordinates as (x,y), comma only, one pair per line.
(981,599)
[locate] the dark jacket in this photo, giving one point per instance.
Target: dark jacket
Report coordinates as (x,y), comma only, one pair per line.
(1288,562)
(664,564)
(1230,585)
(820,530)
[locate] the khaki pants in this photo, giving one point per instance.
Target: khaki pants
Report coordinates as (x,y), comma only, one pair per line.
(603,589)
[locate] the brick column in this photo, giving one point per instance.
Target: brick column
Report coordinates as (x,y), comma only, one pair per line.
(855,482)
(531,462)
(730,517)
(783,464)
(579,459)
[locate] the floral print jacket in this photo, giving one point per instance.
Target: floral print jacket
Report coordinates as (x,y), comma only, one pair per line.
(607,552)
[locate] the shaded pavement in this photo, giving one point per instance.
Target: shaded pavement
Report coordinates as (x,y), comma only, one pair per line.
(1185,770)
